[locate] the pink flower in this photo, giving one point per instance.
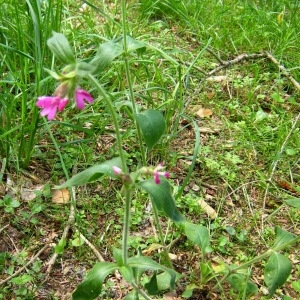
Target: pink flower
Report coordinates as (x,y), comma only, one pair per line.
(50,104)
(81,96)
(156,173)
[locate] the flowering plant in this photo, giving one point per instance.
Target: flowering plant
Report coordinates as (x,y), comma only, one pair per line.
(150,126)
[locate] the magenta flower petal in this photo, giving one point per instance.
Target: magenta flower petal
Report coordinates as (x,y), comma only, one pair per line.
(62,104)
(52,113)
(156,178)
(81,96)
(50,104)
(44,101)
(166,174)
(157,173)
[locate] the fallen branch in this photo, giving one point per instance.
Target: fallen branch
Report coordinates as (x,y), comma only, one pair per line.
(1,229)
(238,59)
(284,71)
(244,56)
(25,266)
(93,248)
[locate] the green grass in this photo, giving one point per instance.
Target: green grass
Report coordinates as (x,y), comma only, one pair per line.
(25,29)
(246,166)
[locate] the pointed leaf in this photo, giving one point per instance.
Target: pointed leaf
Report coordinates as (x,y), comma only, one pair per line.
(127,273)
(91,286)
(197,234)
(118,256)
(294,202)
(92,173)
(162,197)
(148,264)
(83,69)
(277,271)
(133,44)
(240,283)
(106,53)
(282,237)
(151,286)
(152,124)
(53,74)
(60,47)
(163,281)
(59,248)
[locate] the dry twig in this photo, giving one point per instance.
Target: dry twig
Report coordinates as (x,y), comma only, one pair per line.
(284,71)
(236,60)
(93,248)
(25,266)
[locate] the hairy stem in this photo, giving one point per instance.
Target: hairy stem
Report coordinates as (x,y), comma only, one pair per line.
(129,81)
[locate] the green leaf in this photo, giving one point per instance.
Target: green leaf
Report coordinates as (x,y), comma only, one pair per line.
(77,242)
(118,256)
(59,248)
(134,295)
(60,47)
(93,173)
(282,237)
(152,124)
(294,202)
(163,281)
(277,271)
(91,286)
(2,258)
(197,234)
(188,292)
(148,264)
(240,283)
(127,273)
(22,279)
(83,69)
(133,44)
(151,286)
(14,203)
(106,53)
(162,197)
(296,285)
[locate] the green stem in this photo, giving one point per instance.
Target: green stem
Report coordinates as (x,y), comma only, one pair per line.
(127,70)
(126,224)
(141,292)
(124,167)
(258,258)
(161,236)
(114,117)
(57,150)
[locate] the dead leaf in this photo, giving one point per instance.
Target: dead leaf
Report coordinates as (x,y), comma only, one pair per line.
(219,78)
(204,112)
(172,256)
(28,194)
(195,187)
(210,95)
(208,209)
(209,130)
(170,296)
(151,248)
(61,196)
